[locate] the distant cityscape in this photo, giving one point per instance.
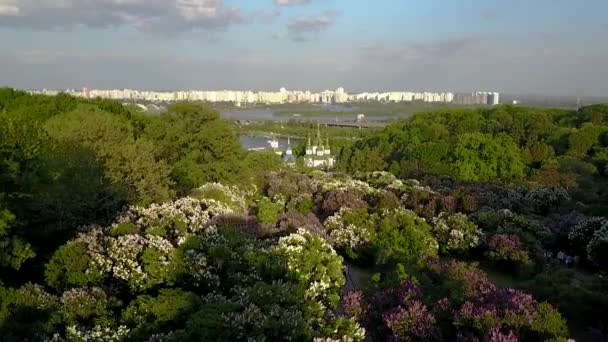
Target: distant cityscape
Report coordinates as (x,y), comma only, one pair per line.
(283,96)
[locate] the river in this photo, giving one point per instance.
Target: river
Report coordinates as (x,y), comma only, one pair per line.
(269,114)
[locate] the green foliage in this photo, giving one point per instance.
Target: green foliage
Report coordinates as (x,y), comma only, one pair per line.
(129,164)
(268,210)
(148,314)
(404,235)
(125,228)
(549,323)
(70,266)
(15,251)
(480,157)
(25,312)
(198,145)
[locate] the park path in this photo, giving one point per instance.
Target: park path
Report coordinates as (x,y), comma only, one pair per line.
(355,280)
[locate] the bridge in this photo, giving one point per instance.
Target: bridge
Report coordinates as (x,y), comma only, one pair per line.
(354,124)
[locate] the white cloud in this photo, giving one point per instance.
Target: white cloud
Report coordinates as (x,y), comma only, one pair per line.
(168,16)
(290,2)
(305,28)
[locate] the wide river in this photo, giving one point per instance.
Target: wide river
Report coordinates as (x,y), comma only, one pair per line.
(256,142)
(270,115)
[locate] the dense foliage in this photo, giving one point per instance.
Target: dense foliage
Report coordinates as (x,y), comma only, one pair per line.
(117,226)
(544,146)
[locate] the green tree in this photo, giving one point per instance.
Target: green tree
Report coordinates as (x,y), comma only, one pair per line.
(201,147)
(481,157)
(129,164)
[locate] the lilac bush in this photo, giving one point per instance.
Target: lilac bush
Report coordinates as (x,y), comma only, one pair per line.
(507,247)
(455,233)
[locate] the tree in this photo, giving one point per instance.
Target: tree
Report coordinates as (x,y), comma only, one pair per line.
(200,147)
(129,164)
(481,157)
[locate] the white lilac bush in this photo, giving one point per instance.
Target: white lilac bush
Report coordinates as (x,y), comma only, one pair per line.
(597,249)
(230,196)
(313,263)
(349,229)
(455,232)
(140,248)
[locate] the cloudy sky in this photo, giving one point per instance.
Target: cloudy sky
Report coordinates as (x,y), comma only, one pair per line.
(514,46)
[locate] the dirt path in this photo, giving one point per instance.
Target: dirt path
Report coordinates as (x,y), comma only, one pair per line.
(355,280)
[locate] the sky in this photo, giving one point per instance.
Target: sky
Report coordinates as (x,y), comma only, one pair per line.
(552,47)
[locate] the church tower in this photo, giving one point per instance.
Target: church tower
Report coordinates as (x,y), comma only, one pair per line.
(309,150)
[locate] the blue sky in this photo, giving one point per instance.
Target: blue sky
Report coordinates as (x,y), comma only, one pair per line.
(515,46)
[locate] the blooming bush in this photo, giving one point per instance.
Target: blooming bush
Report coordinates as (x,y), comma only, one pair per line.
(597,249)
(353,304)
(584,232)
(229,196)
(348,229)
(97,333)
(291,221)
(80,305)
(334,200)
(314,264)
(505,247)
(413,322)
(544,199)
(288,184)
(341,330)
(455,233)
(474,309)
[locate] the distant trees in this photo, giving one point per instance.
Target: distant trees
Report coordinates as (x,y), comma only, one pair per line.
(546,146)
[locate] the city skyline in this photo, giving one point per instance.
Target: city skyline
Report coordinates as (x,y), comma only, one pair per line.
(337,96)
(541,47)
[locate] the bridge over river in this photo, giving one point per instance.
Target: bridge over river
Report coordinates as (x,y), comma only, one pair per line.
(355,124)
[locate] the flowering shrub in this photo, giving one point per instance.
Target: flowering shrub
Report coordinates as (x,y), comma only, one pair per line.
(291,221)
(474,309)
(81,304)
(334,200)
(230,196)
(349,229)
(505,247)
(98,333)
(455,233)
(289,184)
(341,330)
(544,199)
(353,304)
(348,184)
(314,264)
(582,234)
(597,249)
(398,314)
(174,219)
(421,200)
(413,322)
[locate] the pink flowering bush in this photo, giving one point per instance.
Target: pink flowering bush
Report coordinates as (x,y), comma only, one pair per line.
(507,248)
(455,301)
